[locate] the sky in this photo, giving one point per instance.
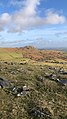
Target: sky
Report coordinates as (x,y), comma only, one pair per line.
(38,23)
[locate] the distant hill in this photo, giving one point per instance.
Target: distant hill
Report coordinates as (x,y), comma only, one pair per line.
(31,53)
(35,54)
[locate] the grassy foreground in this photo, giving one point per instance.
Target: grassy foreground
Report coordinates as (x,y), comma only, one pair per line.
(46,98)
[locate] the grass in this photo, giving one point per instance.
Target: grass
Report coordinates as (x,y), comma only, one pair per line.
(43,95)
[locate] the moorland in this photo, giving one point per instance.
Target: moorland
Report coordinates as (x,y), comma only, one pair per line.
(33,83)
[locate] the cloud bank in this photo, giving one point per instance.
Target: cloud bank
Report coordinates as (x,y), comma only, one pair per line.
(27,17)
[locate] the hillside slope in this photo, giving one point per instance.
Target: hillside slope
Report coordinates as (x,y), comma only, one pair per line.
(31,53)
(33,84)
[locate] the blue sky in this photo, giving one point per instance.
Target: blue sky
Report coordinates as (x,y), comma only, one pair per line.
(40,23)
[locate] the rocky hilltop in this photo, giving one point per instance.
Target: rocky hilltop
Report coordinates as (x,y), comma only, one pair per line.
(32,53)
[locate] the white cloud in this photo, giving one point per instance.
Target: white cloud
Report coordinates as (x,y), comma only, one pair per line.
(5,19)
(54,18)
(27,17)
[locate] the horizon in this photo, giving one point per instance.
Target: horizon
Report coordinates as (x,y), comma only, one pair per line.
(38,23)
(55,48)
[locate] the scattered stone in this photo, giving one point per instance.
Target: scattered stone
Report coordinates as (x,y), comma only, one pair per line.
(62,81)
(61,71)
(65,73)
(52,76)
(54,69)
(23,63)
(18,95)
(55,78)
(13,72)
(36,112)
(6,62)
(20,70)
(18,91)
(11,63)
(41,113)
(4,83)
(25,88)
(40,78)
